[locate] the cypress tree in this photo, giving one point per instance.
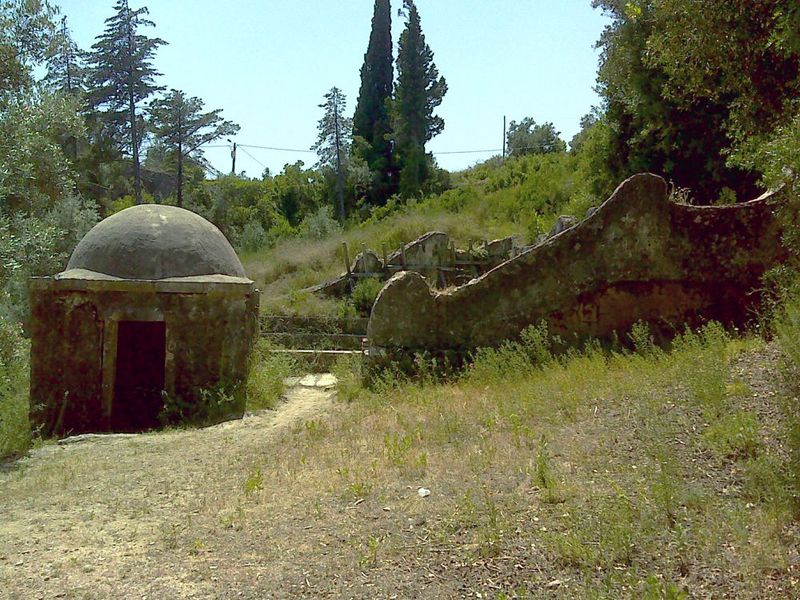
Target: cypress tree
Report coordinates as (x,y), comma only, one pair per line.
(371,121)
(419,91)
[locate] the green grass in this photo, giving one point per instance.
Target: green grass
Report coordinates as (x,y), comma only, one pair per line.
(269,369)
(625,471)
(15,430)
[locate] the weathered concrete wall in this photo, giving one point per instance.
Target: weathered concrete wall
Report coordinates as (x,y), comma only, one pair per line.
(210,330)
(638,257)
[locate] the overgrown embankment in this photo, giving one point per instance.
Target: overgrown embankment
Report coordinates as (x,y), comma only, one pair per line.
(522,196)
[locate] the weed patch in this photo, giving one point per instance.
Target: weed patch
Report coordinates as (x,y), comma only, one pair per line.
(15,429)
(267,374)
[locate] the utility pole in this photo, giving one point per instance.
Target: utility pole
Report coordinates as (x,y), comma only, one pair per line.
(233,158)
(339,173)
(504,137)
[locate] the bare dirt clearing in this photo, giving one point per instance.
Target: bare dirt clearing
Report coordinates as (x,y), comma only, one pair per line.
(105,516)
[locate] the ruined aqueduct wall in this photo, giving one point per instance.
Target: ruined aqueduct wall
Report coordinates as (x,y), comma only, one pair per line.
(639,257)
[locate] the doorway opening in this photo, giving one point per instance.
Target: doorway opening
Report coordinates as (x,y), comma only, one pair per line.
(139,375)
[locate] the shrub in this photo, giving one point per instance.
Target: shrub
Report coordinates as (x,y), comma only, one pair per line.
(320,224)
(364,294)
(537,341)
(252,238)
(705,367)
(490,366)
(15,431)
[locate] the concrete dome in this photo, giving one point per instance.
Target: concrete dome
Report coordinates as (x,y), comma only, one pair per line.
(153,241)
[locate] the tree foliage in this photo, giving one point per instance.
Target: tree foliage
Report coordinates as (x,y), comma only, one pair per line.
(26,31)
(180,125)
(372,121)
(66,69)
(526,137)
(122,78)
(687,83)
(419,92)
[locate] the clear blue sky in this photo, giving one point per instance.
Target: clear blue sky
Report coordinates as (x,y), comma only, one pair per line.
(268,63)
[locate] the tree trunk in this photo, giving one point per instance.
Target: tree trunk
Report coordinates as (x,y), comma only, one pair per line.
(180,161)
(137,174)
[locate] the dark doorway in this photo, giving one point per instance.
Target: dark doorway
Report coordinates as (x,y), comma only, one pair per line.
(139,380)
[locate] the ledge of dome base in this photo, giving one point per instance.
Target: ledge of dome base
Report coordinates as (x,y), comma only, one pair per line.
(85,280)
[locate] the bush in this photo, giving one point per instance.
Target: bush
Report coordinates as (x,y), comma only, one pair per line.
(705,367)
(252,238)
(364,294)
(320,224)
(39,245)
(15,431)
(491,366)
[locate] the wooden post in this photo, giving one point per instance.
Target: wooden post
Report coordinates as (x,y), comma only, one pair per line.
(469,250)
(504,137)
(403,256)
(346,258)
(383,251)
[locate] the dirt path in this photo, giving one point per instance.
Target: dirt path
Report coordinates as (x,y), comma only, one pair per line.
(101,516)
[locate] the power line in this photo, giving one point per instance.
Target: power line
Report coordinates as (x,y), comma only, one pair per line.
(468,151)
(276,149)
(250,155)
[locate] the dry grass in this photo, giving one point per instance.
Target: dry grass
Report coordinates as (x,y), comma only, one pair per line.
(298,263)
(594,476)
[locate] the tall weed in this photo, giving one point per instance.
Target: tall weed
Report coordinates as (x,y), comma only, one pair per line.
(15,430)
(703,366)
(787,328)
(267,374)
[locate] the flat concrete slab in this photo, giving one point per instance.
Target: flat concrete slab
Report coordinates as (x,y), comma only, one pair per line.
(313,380)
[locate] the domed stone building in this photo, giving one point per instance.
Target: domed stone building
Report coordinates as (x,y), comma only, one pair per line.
(151,323)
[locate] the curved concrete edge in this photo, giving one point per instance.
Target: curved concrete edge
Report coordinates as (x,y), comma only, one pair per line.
(638,257)
(155,241)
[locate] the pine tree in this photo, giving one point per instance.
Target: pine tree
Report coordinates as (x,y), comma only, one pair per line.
(333,141)
(65,63)
(371,121)
(179,124)
(66,74)
(419,91)
(123,77)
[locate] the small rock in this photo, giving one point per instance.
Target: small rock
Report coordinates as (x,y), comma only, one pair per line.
(423,492)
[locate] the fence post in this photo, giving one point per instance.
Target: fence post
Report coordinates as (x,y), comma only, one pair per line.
(346,259)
